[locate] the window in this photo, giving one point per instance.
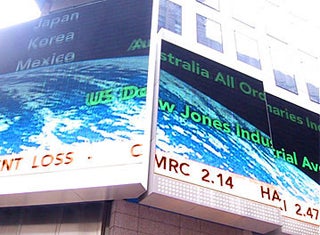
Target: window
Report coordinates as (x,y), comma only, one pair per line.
(209,33)
(170,16)
(314,93)
(285,81)
(308,73)
(247,50)
(283,66)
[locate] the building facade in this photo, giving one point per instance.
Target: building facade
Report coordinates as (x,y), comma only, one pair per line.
(161,117)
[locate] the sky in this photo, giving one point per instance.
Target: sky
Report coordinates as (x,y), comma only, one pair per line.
(17,11)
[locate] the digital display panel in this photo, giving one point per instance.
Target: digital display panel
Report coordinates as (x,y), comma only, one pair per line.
(218,129)
(72,91)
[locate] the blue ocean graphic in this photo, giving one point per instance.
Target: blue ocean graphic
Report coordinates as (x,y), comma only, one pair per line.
(45,108)
(227,151)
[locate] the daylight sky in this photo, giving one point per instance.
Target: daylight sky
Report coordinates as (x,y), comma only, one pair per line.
(17,11)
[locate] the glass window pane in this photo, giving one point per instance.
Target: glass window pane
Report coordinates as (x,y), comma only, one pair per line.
(285,81)
(283,67)
(209,33)
(214,4)
(314,93)
(170,16)
(247,50)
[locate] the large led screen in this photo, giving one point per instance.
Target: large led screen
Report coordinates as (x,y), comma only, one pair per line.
(218,129)
(72,91)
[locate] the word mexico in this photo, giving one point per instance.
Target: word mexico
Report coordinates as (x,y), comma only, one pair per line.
(53,59)
(52,41)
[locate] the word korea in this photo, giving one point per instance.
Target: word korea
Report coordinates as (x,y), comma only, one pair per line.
(42,42)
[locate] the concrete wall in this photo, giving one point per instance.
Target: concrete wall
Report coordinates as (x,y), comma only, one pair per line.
(133,219)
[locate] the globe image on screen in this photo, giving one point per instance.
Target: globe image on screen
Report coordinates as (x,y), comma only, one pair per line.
(71,104)
(103,101)
(221,147)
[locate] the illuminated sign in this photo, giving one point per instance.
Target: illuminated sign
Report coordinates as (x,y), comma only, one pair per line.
(296,133)
(219,130)
(73,88)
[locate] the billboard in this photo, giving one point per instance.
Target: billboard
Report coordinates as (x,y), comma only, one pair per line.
(73,88)
(218,130)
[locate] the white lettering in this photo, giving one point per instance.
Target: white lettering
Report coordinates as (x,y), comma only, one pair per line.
(38,43)
(54,22)
(51,60)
